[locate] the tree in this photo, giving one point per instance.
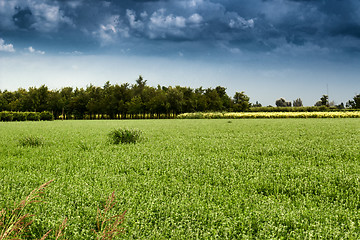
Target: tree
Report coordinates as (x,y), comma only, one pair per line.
(324,101)
(94,104)
(78,103)
(282,103)
(355,103)
(256,104)
(214,102)
(189,99)
(175,97)
(66,96)
(225,99)
(297,103)
(240,102)
(54,103)
(135,106)
(200,100)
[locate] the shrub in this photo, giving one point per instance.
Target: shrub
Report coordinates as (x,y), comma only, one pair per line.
(46,116)
(117,136)
(19,116)
(31,141)
(33,116)
(6,116)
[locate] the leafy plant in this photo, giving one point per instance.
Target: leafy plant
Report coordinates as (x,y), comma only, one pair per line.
(33,116)
(6,116)
(31,141)
(117,136)
(108,227)
(84,146)
(46,116)
(19,116)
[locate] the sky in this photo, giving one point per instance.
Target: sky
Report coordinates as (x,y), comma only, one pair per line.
(266,48)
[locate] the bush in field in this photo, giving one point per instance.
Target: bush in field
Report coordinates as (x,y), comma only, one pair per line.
(33,116)
(46,116)
(31,141)
(6,116)
(117,136)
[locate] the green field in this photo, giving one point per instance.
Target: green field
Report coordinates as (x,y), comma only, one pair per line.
(191,179)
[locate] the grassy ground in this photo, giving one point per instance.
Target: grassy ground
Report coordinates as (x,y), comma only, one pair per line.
(250,178)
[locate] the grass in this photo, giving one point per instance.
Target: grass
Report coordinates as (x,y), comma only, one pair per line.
(206,179)
(14,223)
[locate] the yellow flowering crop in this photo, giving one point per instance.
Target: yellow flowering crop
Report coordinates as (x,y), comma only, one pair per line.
(212,115)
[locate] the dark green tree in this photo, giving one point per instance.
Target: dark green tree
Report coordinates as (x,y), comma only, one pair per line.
(282,103)
(240,102)
(355,103)
(297,103)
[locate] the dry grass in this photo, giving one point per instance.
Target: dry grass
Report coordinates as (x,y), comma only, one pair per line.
(108,227)
(14,223)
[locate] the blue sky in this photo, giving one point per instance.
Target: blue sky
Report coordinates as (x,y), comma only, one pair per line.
(267,48)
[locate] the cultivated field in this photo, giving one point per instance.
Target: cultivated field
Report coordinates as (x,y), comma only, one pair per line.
(190,178)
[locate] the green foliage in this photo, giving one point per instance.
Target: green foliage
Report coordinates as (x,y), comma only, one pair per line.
(282,103)
(26,116)
(31,141)
(84,146)
(19,116)
(241,102)
(297,103)
(6,116)
(355,103)
(33,116)
(46,116)
(120,135)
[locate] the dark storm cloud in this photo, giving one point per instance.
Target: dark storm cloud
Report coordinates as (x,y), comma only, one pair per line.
(257,25)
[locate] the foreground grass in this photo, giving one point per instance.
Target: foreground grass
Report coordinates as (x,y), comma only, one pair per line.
(244,178)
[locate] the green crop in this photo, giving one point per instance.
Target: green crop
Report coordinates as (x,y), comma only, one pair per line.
(191,178)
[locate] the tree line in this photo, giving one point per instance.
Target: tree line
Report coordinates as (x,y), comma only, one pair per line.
(323,102)
(122,101)
(129,101)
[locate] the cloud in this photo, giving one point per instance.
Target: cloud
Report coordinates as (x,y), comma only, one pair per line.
(257,25)
(195,18)
(33,50)
(6,47)
(49,17)
(240,23)
(6,13)
(110,30)
(131,16)
(38,15)
(159,20)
